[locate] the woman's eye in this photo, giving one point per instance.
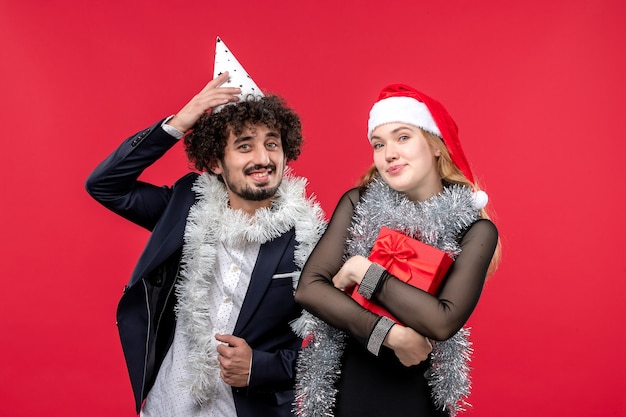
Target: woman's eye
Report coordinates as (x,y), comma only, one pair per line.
(403,138)
(377,146)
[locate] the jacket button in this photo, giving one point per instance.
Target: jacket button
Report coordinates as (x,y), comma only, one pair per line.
(140,137)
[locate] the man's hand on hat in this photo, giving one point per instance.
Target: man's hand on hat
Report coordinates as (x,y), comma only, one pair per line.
(212,95)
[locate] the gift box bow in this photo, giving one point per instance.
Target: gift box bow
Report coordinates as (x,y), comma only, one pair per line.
(410,260)
(395,253)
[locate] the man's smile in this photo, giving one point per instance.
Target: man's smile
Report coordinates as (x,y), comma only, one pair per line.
(260,174)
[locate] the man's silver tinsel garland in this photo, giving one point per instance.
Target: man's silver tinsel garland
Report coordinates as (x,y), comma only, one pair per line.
(438,222)
(211,221)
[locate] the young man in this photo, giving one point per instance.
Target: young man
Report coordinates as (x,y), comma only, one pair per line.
(204,321)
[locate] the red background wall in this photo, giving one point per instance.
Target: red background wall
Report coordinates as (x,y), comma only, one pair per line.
(535,87)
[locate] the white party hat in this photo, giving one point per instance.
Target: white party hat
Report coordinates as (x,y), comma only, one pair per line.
(238,77)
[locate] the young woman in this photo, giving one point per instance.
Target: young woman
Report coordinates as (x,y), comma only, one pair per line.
(355,362)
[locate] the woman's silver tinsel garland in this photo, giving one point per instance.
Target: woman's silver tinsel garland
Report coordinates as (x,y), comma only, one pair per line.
(318,367)
(438,222)
(449,372)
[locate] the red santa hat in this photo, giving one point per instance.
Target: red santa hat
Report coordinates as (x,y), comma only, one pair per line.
(400,103)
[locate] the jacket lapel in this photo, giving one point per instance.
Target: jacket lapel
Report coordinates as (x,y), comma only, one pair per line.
(270,255)
(166,238)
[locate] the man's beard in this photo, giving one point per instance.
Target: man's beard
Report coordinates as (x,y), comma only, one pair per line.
(247,192)
(255,194)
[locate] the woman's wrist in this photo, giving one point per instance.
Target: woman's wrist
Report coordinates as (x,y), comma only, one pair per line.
(380,334)
(371,280)
(391,341)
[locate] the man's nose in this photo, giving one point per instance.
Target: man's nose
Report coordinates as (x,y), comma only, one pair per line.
(261,156)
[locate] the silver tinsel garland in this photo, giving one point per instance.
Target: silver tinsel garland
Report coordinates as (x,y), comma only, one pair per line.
(438,222)
(318,368)
(449,372)
(210,222)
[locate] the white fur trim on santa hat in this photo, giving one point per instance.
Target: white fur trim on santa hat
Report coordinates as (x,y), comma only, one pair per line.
(401,110)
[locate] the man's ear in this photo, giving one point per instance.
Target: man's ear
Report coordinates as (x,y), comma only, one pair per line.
(216,167)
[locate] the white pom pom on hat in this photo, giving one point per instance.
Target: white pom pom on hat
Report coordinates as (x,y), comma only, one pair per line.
(480,199)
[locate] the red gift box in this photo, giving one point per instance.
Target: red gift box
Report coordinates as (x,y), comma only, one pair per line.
(409,260)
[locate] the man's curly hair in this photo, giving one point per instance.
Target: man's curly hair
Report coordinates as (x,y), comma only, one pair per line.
(207,139)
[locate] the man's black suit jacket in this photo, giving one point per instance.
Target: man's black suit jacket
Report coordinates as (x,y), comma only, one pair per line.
(145,314)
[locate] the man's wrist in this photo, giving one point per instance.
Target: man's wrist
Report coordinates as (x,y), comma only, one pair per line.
(172,130)
(250,370)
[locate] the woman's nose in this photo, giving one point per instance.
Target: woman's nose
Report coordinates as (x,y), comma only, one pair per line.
(390,153)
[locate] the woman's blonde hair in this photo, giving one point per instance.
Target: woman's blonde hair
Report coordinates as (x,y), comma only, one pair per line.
(449,173)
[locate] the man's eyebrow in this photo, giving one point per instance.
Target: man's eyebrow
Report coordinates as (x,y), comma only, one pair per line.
(244,138)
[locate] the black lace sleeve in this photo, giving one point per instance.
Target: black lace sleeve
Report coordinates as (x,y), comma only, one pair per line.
(435,317)
(441,316)
(316,292)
